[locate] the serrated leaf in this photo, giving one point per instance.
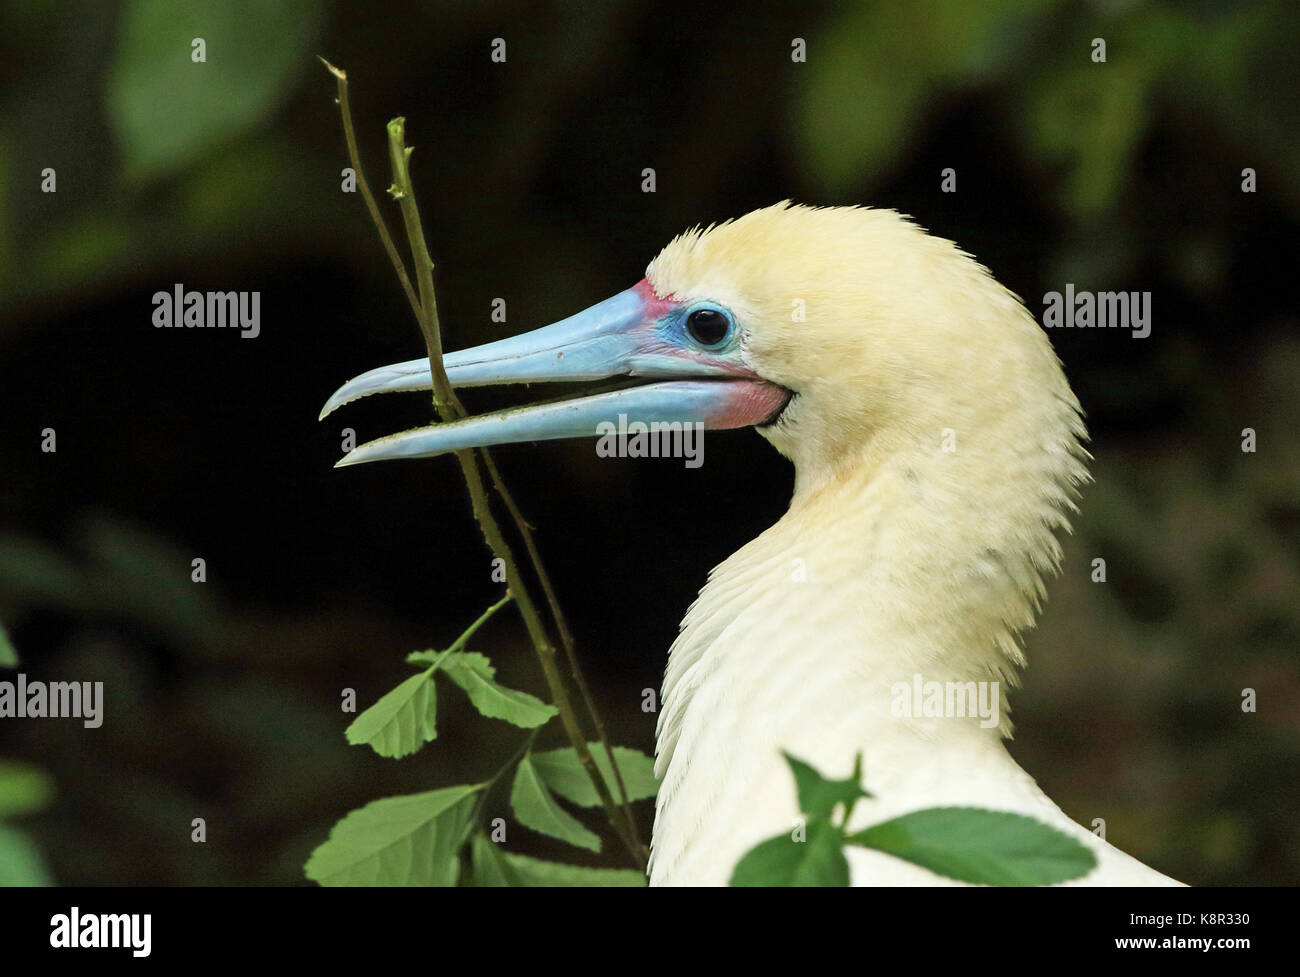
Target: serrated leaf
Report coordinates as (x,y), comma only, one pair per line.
(434,657)
(473,673)
(817,860)
(492,866)
(972,844)
(402,721)
(563,773)
(409,840)
(819,796)
(8,654)
(423,659)
(20,860)
(537,809)
(23,789)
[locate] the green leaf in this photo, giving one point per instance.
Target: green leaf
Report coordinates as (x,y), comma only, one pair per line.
(972,844)
(491,866)
(819,796)
(408,840)
(471,660)
(8,654)
(20,860)
(23,789)
(473,673)
(817,860)
(563,773)
(432,656)
(423,659)
(537,809)
(488,864)
(166,110)
(402,721)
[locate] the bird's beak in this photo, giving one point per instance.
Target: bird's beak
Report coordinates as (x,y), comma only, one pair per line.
(626,335)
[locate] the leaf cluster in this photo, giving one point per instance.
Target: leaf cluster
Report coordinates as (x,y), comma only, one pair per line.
(964,843)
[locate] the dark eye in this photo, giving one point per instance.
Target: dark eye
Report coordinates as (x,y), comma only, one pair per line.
(708,327)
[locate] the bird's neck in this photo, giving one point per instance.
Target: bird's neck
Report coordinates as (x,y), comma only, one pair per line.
(891,581)
(894,567)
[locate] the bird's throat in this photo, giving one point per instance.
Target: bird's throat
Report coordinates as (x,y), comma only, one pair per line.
(875,617)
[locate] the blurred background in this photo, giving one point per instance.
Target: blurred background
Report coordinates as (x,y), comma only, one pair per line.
(222,698)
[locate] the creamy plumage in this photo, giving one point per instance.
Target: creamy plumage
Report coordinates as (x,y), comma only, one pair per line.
(896,558)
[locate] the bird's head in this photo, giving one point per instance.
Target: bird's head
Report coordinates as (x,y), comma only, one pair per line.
(837,332)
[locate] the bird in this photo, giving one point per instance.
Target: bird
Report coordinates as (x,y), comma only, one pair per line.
(938,455)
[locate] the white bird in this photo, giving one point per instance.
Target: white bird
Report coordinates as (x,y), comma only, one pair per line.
(936,446)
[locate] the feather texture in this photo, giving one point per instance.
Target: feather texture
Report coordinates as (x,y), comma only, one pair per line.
(938,452)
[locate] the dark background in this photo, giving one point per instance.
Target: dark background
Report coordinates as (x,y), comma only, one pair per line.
(223,698)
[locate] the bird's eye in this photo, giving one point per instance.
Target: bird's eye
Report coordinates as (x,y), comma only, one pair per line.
(708,327)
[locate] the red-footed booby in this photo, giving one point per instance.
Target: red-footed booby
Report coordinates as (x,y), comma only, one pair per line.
(937,451)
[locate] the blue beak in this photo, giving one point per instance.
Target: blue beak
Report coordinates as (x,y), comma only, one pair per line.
(630,334)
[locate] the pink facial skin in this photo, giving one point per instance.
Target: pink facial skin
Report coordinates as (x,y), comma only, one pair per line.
(655,306)
(748,400)
(746,403)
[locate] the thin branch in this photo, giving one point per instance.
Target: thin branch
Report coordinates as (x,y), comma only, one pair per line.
(385,238)
(524,528)
(566,639)
(449,408)
(629,834)
(469,632)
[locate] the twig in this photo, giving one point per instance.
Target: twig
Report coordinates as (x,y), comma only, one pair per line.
(385,238)
(470,631)
(566,639)
(522,525)
(448,407)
